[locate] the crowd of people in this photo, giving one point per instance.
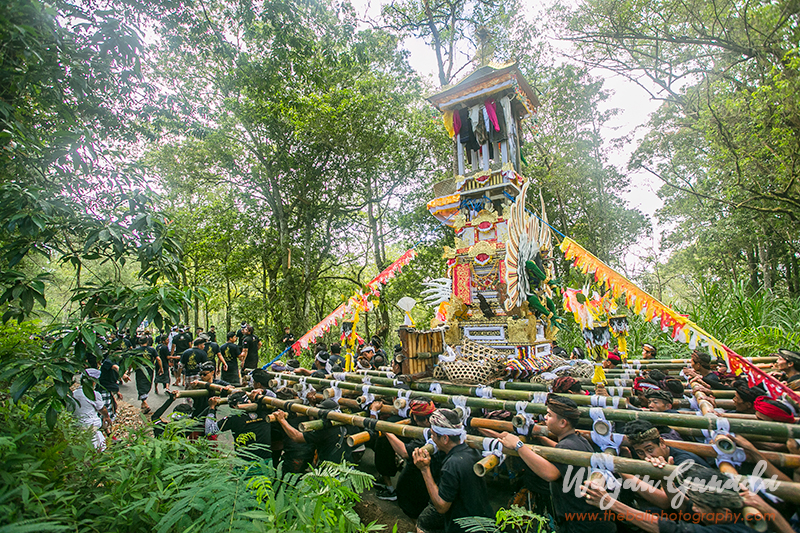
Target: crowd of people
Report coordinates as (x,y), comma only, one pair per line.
(437,485)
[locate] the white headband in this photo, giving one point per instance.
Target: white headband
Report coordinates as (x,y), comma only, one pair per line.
(455,432)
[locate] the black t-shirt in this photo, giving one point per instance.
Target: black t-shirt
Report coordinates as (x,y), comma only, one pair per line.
(296,455)
(191,359)
(181,342)
(163,354)
(460,486)
(109,378)
(149,354)
(230,353)
(330,443)
(681,456)
(240,337)
(249,429)
(212,349)
(288,340)
(200,404)
(412,494)
(667,526)
(251,344)
(567,503)
(212,336)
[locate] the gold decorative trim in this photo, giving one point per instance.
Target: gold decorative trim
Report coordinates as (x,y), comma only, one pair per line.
(482,247)
(484,216)
(459,221)
(449,253)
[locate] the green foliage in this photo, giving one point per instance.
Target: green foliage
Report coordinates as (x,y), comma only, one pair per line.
(515,519)
(54,480)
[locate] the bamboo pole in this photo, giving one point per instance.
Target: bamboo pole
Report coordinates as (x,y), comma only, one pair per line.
(648,362)
(622,465)
(779,459)
(747,427)
(364,437)
(625,384)
(502,394)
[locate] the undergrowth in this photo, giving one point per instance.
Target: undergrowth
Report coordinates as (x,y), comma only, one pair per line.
(54,480)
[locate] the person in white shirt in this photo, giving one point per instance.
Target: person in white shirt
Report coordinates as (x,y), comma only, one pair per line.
(91,412)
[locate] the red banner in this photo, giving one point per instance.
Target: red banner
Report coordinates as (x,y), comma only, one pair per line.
(348,307)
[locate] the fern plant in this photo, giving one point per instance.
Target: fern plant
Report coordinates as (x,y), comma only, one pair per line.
(516,519)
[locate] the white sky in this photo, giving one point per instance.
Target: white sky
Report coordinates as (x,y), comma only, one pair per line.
(633,102)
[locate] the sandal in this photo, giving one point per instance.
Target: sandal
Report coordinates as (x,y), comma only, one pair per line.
(146,410)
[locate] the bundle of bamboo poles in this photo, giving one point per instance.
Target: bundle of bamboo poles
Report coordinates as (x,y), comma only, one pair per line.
(503,394)
(775,430)
(785,490)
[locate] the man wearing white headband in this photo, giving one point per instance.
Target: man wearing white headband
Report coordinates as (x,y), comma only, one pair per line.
(460,492)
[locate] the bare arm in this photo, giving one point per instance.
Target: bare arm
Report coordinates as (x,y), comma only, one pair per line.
(649,492)
(291,432)
(540,466)
(596,496)
(423,461)
(397,445)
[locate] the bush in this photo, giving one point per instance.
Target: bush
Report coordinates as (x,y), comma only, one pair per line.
(54,480)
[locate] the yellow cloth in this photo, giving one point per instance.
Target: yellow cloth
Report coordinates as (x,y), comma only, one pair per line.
(599,374)
(448,123)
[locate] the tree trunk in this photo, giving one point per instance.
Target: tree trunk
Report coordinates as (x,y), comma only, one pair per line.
(196,299)
(228,302)
(795,275)
(764,261)
(752,268)
(264,299)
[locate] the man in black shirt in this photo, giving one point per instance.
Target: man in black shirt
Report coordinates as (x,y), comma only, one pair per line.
(412,496)
(719,509)
(330,442)
(460,493)
(561,418)
(180,343)
(191,359)
(162,372)
(250,346)
(252,431)
(144,372)
(212,334)
(288,338)
(229,359)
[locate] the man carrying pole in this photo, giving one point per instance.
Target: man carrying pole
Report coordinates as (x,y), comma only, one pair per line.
(460,492)
(561,418)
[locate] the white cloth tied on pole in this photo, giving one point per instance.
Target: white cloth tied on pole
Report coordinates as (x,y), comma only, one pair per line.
(368,396)
(460,402)
(604,464)
(435,388)
(366,379)
(390,375)
(484,392)
(539,397)
(337,392)
(530,418)
(339,376)
(493,447)
(426,434)
(404,394)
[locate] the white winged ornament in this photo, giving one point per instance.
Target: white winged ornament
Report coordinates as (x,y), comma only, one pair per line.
(526,237)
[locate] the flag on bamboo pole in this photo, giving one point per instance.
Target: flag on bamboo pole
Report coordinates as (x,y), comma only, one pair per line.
(354,302)
(680,328)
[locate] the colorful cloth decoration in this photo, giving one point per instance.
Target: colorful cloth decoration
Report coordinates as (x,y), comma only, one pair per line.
(682,329)
(448,123)
(355,302)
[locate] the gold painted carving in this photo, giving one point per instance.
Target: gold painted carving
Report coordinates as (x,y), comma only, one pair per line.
(484,216)
(518,331)
(449,253)
(482,247)
(459,221)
